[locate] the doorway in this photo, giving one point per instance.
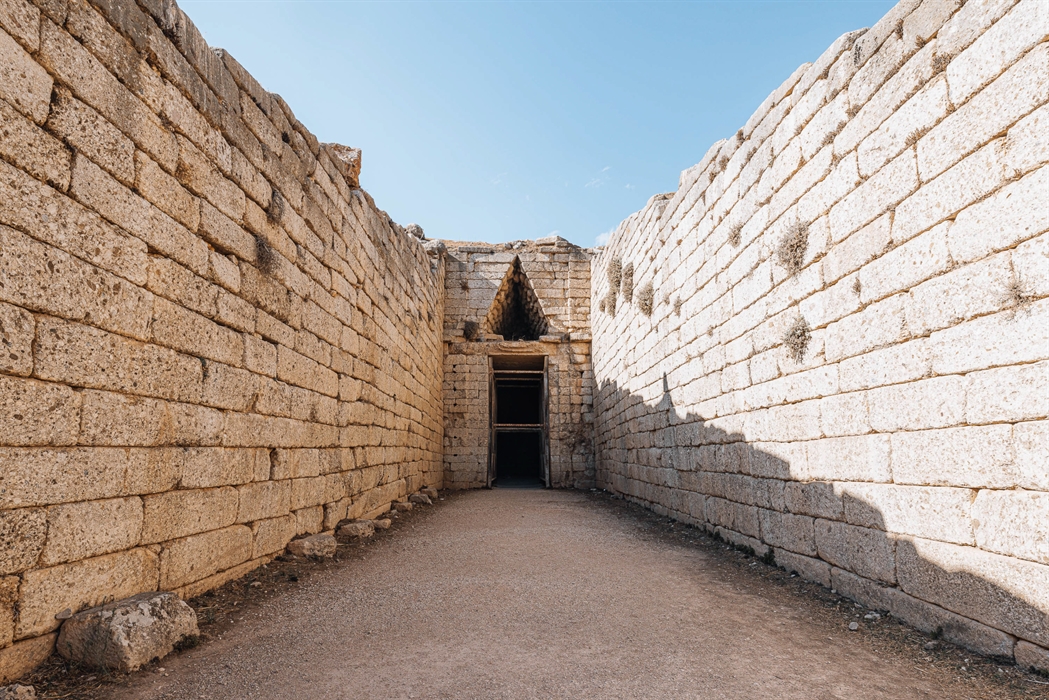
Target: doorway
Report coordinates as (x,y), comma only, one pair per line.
(518,444)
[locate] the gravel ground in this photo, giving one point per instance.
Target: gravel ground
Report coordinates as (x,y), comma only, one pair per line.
(551,594)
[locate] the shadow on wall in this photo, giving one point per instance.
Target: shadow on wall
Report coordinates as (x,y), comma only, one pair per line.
(680,466)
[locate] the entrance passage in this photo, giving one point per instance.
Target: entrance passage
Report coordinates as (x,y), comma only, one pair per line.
(518,446)
(518,460)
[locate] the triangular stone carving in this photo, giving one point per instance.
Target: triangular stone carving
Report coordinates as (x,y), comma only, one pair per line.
(516,313)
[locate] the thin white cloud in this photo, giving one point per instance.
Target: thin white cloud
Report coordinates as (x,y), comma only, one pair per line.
(629,186)
(554,232)
(602,238)
(596,182)
(606,168)
(498,179)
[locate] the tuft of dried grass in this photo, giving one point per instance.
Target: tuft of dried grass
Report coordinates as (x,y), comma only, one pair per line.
(626,287)
(646,297)
(265,256)
(915,136)
(853,110)
(791,251)
(677,306)
(735,235)
(797,338)
(275,210)
(1017,295)
(471,330)
(615,273)
(939,62)
(610,302)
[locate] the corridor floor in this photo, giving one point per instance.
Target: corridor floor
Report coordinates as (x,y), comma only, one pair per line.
(542,594)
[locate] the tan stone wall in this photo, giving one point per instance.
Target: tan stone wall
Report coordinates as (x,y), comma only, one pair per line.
(846,360)
(560,275)
(211,340)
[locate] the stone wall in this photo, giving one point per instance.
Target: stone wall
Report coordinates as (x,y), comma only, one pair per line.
(212,340)
(559,274)
(835,345)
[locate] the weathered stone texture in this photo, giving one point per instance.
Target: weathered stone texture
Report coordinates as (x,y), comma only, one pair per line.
(905,422)
(183,290)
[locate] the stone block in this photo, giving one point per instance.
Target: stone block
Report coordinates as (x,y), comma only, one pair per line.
(1031,442)
(808,568)
(167,516)
(1007,594)
(226,235)
(81,530)
(207,467)
(42,278)
(1011,96)
(260,356)
(1029,656)
(204,179)
(859,458)
(172,281)
(37,413)
(125,635)
(45,476)
(272,535)
(859,550)
(265,499)
(956,629)
(816,498)
(1014,523)
(92,82)
(22,535)
(17,331)
(50,216)
(930,403)
(793,533)
(17,691)
(1002,220)
(96,189)
(23,82)
(359,529)
(22,20)
(320,546)
(89,133)
(301,371)
(80,355)
(875,196)
(420,499)
(309,521)
(870,593)
(199,556)
(165,192)
(22,657)
(82,584)
(996,49)
(1007,394)
(180,329)
(939,513)
(29,147)
(967,456)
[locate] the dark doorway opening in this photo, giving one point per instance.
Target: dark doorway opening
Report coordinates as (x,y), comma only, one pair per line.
(519,462)
(518,445)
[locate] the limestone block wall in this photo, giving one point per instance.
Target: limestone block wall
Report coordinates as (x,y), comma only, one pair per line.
(559,273)
(835,344)
(211,340)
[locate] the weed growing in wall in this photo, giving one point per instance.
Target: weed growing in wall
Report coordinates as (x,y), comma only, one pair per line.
(626,288)
(610,302)
(677,306)
(471,330)
(615,274)
(646,297)
(791,251)
(1017,295)
(797,339)
(275,210)
(735,235)
(265,256)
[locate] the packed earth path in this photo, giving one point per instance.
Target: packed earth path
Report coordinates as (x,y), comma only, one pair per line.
(512,593)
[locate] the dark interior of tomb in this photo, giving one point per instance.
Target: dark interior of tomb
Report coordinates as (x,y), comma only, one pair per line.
(519,401)
(518,459)
(517,312)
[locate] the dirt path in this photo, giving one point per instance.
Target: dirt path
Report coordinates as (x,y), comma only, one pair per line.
(544,594)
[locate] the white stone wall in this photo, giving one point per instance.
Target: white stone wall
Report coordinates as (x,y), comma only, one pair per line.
(559,273)
(846,363)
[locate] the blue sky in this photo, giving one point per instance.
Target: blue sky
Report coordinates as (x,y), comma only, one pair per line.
(498,121)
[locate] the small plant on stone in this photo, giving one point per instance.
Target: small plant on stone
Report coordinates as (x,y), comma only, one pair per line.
(615,273)
(610,302)
(601,305)
(791,251)
(626,287)
(471,330)
(265,256)
(677,306)
(939,62)
(915,136)
(646,297)
(275,210)
(797,339)
(769,557)
(735,235)
(1017,295)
